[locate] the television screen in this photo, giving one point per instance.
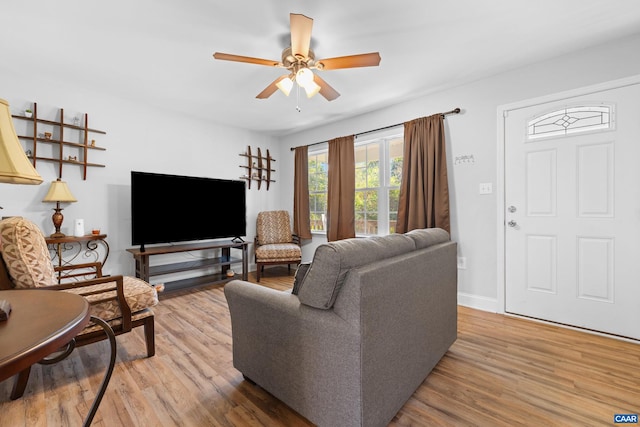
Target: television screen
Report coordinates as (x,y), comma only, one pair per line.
(175,208)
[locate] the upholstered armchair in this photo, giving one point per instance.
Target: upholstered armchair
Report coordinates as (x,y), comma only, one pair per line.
(123,302)
(274,242)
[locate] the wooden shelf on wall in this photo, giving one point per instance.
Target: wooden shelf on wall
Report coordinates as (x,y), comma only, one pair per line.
(55,130)
(258,168)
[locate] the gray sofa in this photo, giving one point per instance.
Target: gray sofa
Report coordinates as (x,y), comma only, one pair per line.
(366,322)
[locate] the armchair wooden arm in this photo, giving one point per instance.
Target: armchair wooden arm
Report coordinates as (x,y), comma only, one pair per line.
(86,269)
(97,295)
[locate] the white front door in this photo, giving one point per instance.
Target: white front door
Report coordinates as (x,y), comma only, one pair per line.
(572,220)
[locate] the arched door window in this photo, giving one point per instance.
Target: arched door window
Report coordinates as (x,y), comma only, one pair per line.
(571,120)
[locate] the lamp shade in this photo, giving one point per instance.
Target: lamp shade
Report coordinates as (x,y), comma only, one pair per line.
(15,166)
(312,88)
(304,76)
(59,192)
(285,85)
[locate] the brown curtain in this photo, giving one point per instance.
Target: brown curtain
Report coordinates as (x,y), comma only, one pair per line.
(424,192)
(341,189)
(301,221)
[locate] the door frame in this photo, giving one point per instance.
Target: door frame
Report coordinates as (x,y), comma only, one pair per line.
(502,113)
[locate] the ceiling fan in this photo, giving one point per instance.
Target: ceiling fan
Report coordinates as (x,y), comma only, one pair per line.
(299,59)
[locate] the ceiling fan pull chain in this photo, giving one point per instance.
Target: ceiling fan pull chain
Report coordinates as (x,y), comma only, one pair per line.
(298,99)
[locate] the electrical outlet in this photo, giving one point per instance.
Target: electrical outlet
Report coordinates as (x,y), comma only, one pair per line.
(462,263)
(486,188)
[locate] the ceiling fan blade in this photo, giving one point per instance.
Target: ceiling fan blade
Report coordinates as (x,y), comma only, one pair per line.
(300,34)
(269,90)
(247,59)
(351,61)
(325,89)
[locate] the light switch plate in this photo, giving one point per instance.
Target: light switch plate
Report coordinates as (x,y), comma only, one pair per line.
(462,263)
(485,188)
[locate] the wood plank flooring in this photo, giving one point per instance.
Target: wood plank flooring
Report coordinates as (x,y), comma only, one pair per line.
(502,371)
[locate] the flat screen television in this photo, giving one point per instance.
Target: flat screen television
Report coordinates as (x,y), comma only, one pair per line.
(176,208)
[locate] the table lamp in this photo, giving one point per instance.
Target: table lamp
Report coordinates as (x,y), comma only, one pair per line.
(58,193)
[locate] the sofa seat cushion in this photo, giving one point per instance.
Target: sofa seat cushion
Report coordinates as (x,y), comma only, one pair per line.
(139,296)
(332,261)
(278,252)
(92,327)
(25,254)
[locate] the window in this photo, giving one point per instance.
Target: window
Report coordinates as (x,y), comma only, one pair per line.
(318,167)
(567,121)
(378,173)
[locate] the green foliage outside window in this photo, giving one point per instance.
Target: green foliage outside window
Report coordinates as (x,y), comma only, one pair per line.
(318,166)
(375,199)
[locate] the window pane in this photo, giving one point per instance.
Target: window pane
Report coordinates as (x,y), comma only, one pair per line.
(394,195)
(373,174)
(395,162)
(322,202)
(572,120)
(318,168)
(321,182)
(368,165)
(361,177)
(372,202)
(373,165)
(318,202)
(396,147)
(317,222)
(360,154)
(360,223)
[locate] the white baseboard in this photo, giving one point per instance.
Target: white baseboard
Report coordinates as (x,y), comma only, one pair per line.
(478,302)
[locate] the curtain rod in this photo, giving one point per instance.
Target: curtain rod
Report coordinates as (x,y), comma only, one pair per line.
(454,111)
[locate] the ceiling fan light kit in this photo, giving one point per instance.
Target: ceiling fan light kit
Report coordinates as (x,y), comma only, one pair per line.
(299,59)
(286,84)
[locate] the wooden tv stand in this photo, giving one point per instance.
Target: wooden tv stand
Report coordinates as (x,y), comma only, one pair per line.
(144,269)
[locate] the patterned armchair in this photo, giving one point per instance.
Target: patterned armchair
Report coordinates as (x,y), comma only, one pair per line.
(123,302)
(274,242)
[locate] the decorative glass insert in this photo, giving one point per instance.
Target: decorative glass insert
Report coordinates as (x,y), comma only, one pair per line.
(571,120)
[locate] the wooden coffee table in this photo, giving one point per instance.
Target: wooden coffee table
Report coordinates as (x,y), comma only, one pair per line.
(41,323)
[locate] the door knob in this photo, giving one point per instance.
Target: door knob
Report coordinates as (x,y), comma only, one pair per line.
(511,209)
(512,223)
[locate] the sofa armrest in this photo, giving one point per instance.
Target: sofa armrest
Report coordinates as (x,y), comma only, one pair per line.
(300,354)
(251,303)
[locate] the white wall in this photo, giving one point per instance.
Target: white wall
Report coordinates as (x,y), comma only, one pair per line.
(474,216)
(139,136)
(144,136)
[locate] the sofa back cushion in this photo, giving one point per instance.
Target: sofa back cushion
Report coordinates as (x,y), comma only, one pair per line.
(332,261)
(425,237)
(273,227)
(25,254)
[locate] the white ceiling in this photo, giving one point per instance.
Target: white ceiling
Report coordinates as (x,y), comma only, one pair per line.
(160,51)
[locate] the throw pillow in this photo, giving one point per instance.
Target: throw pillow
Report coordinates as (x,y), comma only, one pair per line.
(299,277)
(25,253)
